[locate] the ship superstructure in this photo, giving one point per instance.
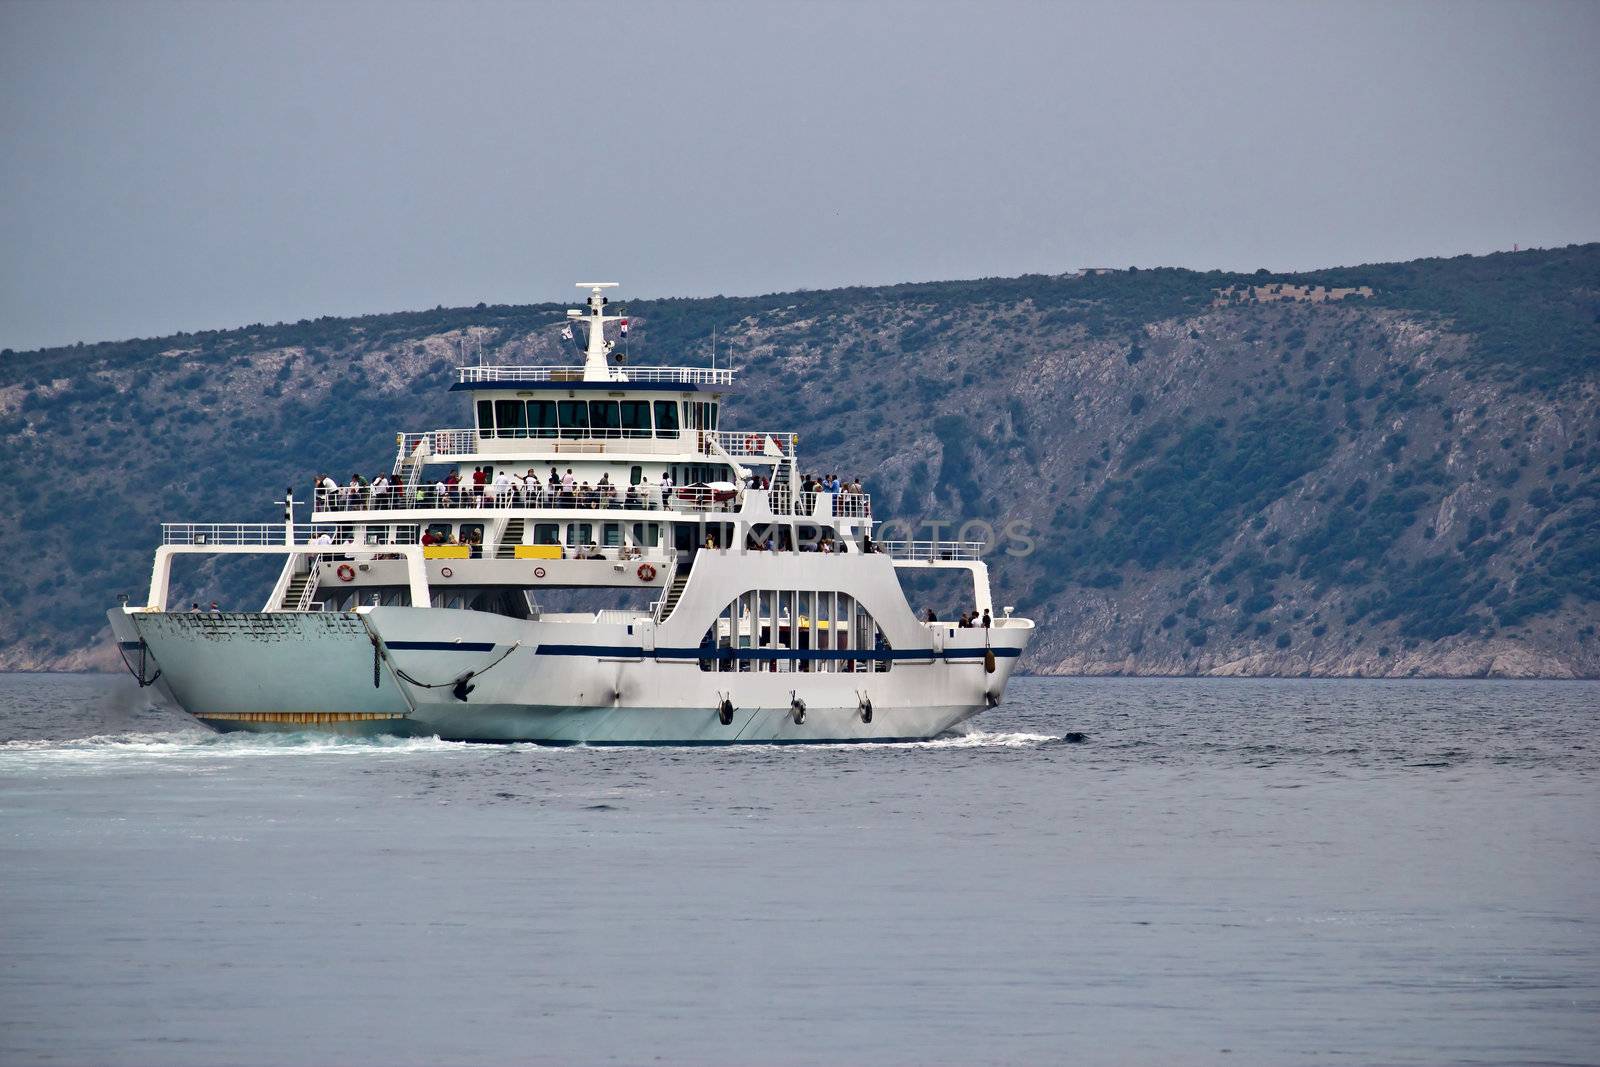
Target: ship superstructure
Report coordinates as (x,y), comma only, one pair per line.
(412,604)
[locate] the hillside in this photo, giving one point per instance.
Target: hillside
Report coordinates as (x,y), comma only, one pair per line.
(1391,469)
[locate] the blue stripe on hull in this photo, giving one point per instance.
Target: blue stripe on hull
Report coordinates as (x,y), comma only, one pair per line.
(877,655)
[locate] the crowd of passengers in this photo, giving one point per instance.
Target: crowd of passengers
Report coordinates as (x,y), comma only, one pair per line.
(506,489)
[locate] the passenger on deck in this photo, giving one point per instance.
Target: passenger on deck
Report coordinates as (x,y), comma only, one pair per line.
(479,481)
(931,616)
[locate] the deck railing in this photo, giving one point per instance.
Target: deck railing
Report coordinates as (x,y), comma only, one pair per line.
(234,534)
(933,551)
(621,375)
(646,496)
(751,444)
(467,442)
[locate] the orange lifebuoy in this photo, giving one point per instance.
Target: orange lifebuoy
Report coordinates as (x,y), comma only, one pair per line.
(646,573)
(346,572)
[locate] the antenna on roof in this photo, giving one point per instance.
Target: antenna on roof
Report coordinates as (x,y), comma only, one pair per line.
(595,365)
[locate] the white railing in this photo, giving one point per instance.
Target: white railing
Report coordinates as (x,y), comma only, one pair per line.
(933,551)
(646,496)
(308,591)
(238,533)
(676,375)
(438,443)
(772,446)
(431,444)
(852,505)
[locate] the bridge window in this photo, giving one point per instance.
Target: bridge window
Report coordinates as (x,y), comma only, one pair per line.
(542,418)
(603,419)
(574,416)
(667,418)
(508,418)
(486,418)
(636,418)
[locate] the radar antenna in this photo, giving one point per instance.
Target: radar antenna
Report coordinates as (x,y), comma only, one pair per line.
(596,367)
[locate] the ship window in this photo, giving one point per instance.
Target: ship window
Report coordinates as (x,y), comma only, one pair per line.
(574,417)
(714,408)
(612,534)
(440,531)
(603,419)
(542,418)
(485,418)
(646,534)
(508,418)
(547,533)
(472,533)
(666,418)
(636,418)
(579,533)
(405,535)
(635,475)
(377,535)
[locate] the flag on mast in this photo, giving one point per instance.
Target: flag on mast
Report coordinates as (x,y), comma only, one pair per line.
(624,327)
(566,332)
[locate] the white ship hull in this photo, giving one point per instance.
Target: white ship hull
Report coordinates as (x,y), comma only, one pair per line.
(298,671)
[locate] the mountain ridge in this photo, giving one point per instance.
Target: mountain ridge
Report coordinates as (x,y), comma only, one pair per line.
(1224,473)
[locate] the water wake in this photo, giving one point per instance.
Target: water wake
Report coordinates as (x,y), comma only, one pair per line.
(203,744)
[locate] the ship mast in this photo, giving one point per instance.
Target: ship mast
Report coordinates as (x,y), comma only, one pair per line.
(596,367)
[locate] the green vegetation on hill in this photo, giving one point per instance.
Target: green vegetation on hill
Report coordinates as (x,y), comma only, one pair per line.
(1321,479)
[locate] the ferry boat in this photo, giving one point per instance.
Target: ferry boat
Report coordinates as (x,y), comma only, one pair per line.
(765,611)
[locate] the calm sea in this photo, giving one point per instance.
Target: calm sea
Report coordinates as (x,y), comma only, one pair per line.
(1235,872)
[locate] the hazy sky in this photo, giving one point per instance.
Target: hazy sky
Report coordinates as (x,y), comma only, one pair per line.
(176,166)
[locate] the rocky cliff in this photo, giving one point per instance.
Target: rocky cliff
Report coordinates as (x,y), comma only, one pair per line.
(1382,470)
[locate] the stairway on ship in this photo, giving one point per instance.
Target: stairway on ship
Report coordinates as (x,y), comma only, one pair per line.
(674,591)
(509,540)
(297,588)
